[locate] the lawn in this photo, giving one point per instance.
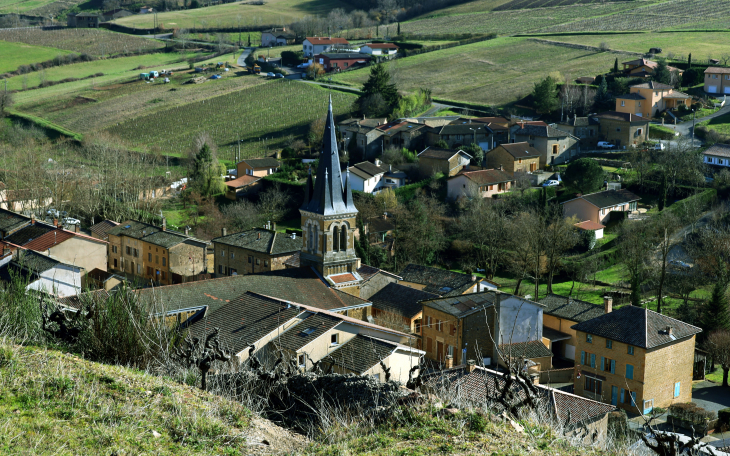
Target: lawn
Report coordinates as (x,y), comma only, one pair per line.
(234,15)
(700,44)
(494,72)
(699,114)
(90,41)
(721,124)
(35,7)
(16,54)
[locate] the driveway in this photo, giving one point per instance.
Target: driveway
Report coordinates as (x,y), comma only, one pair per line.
(685,128)
(242,58)
(711,396)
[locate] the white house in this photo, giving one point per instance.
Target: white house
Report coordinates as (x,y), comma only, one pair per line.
(145,9)
(590,225)
(379,49)
(319,44)
(48,275)
(718,155)
(277,37)
(371,178)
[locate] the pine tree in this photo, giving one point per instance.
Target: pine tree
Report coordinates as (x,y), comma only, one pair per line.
(379,84)
(635,293)
(689,61)
(615,66)
(602,96)
(545,95)
(399,31)
(662,74)
(716,314)
(249,40)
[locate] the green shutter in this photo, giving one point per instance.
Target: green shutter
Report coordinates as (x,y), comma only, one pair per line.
(583,357)
(603,363)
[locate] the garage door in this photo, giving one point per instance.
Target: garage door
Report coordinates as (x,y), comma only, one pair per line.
(711,89)
(727,89)
(484,145)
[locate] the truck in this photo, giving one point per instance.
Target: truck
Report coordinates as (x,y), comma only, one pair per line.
(154,74)
(254,69)
(144,76)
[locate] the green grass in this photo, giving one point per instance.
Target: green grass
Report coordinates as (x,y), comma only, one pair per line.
(35,7)
(721,124)
(231,15)
(699,114)
(613,274)
(97,42)
(291,224)
(494,72)
(16,54)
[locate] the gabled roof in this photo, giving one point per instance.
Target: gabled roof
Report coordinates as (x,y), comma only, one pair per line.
(625,116)
(367,170)
(441,154)
(463,305)
(326,40)
(608,198)
(55,237)
(579,121)
(242,181)
(718,150)
(10,221)
(543,131)
(717,70)
(631,96)
(589,225)
(677,94)
(461,129)
(258,163)
(308,330)
(486,176)
(520,150)
(345,56)
(570,309)
(396,126)
(262,240)
(294,260)
(102,228)
(642,328)
(529,350)
(381,45)
(152,234)
(400,300)
(652,85)
(641,62)
(34,262)
(438,281)
(28,233)
(361,353)
(368,272)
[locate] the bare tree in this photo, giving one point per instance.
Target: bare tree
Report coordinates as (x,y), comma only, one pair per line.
(718,347)
(485,225)
(202,354)
(561,235)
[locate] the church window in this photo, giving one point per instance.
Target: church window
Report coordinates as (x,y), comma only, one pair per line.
(336,239)
(343,239)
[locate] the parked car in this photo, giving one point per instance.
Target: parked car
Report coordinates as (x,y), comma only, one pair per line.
(270,75)
(215,76)
(56,213)
(550,183)
(279,76)
(605,145)
(679,263)
(71,221)
(660,146)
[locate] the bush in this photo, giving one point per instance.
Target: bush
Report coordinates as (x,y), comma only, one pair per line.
(691,412)
(724,416)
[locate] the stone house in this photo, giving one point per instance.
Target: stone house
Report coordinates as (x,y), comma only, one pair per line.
(438,281)
(584,128)
(651,98)
(461,135)
(253,251)
(399,307)
(623,129)
(401,134)
(449,162)
(374,280)
(635,359)
(277,37)
(555,146)
(559,316)
(101,230)
(84,20)
(597,207)
(485,183)
(514,158)
(258,167)
(368,138)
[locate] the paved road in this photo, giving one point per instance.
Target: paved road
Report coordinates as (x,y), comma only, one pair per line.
(685,128)
(244,54)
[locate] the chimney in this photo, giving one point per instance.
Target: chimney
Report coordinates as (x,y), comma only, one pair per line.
(32,218)
(607,304)
(501,167)
(164,224)
(55,222)
(224,231)
(259,235)
(273,226)
(449,362)
(471,365)
(669,330)
(187,230)
(522,124)
(76,228)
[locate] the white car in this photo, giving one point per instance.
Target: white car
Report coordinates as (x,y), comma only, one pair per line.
(660,146)
(550,183)
(71,221)
(270,75)
(605,145)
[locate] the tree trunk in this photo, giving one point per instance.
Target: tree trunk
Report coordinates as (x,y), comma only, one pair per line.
(724,375)
(517,287)
(549,283)
(204,383)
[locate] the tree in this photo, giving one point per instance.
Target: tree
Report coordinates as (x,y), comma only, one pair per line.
(249,40)
(399,31)
(634,250)
(316,133)
(274,203)
(689,60)
(663,228)
(419,232)
(662,74)
(603,98)
(206,170)
(584,175)
(715,315)
(561,235)
(374,106)
(379,83)
(386,200)
(718,347)
(485,225)
(545,95)
(6,102)
(475,151)
(692,77)
(441,144)
(615,66)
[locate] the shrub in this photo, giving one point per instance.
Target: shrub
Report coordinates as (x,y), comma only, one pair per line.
(6,356)
(724,415)
(691,412)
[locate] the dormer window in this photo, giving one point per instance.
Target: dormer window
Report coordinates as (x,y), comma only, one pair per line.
(335,339)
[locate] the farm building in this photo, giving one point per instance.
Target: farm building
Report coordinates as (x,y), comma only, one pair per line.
(339,62)
(84,20)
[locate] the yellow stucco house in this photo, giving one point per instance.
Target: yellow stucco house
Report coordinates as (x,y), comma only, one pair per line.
(650,98)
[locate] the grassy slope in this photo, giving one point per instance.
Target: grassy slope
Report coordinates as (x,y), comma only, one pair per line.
(700,44)
(721,124)
(96,42)
(16,54)
(21,6)
(227,15)
(496,72)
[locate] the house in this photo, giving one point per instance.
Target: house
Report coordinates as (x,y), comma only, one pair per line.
(492,327)
(717,155)
(242,186)
(115,14)
(403,134)
(253,251)
(499,127)
(438,281)
(461,135)
(84,20)
(643,68)
(597,207)
(485,183)
(514,157)
(717,80)
(589,225)
(623,129)
(635,358)
(101,230)
(258,167)
(155,254)
(584,128)
(145,10)
(555,146)
(320,44)
(651,98)
(399,307)
(72,248)
(473,386)
(307,334)
(374,280)
(433,160)
(560,314)
(103,280)
(277,37)
(45,273)
(341,60)
(368,138)
(6,252)
(371,178)
(24,200)
(379,49)
(29,232)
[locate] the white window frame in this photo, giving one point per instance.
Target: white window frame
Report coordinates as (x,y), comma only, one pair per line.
(335,339)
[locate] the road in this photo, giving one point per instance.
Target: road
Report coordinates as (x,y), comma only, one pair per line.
(685,128)
(244,54)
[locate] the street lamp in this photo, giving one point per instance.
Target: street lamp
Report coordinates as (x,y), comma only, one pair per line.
(693,128)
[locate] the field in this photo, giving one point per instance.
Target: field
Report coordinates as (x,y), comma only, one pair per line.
(492,72)
(529,4)
(721,124)
(263,117)
(89,41)
(233,15)
(700,44)
(16,54)
(40,7)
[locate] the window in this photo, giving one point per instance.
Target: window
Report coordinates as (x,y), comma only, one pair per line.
(618,129)
(164,261)
(623,103)
(630,350)
(114,248)
(157,259)
(250,258)
(639,131)
(459,137)
(452,330)
(223,253)
(139,269)
(451,351)
(648,405)
(429,344)
(149,270)
(588,359)
(266,263)
(491,187)
(608,365)
(343,238)
(136,253)
(129,251)
(677,388)
(335,239)
(593,385)
(164,275)
(258,261)
(346,64)
(115,263)
(555,149)
(301,360)
(220,269)
(589,338)
(609,343)
(629,371)
(428,321)
(639,104)
(519,160)
(335,339)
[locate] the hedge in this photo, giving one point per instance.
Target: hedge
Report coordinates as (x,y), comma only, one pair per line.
(659,132)
(724,415)
(703,199)
(408,192)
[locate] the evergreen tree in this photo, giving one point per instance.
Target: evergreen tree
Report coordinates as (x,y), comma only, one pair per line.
(603,98)
(205,175)
(635,293)
(662,74)
(663,193)
(545,95)
(615,66)
(399,31)
(378,85)
(716,314)
(249,40)
(689,60)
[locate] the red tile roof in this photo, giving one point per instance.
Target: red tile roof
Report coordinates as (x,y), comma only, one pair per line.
(590,225)
(242,181)
(341,278)
(326,40)
(55,237)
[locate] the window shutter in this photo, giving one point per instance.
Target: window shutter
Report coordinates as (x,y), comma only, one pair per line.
(623,396)
(629,371)
(583,357)
(633,398)
(613,366)
(603,363)
(676,389)
(593,360)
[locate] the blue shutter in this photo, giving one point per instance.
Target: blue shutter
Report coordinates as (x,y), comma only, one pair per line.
(633,398)
(603,363)
(676,389)
(613,366)
(623,395)
(593,360)
(583,357)
(629,371)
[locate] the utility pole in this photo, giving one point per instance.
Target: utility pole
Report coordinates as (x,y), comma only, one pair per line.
(693,128)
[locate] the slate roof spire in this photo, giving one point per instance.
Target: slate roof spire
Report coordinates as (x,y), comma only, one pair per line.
(329,196)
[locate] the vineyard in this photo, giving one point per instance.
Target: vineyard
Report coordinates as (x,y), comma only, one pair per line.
(263,117)
(90,41)
(527,4)
(35,7)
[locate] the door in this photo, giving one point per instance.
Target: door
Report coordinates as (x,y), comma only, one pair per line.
(711,89)
(614,395)
(533,167)
(440,351)
(570,351)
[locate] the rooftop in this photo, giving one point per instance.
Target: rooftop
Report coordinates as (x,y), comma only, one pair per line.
(242,181)
(102,228)
(438,281)
(589,225)
(625,116)
(381,46)
(326,40)
(520,150)
(462,129)
(652,85)
(486,176)
(717,70)
(400,300)
(259,163)
(529,350)
(631,96)
(308,330)
(262,240)
(28,233)
(55,237)
(152,234)
(346,55)
(718,150)
(440,154)
(543,131)
(367,170)
(34,262)
(642,328)
(361,353)
(463,305)
(608,198)
(570,309)
(10,221)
